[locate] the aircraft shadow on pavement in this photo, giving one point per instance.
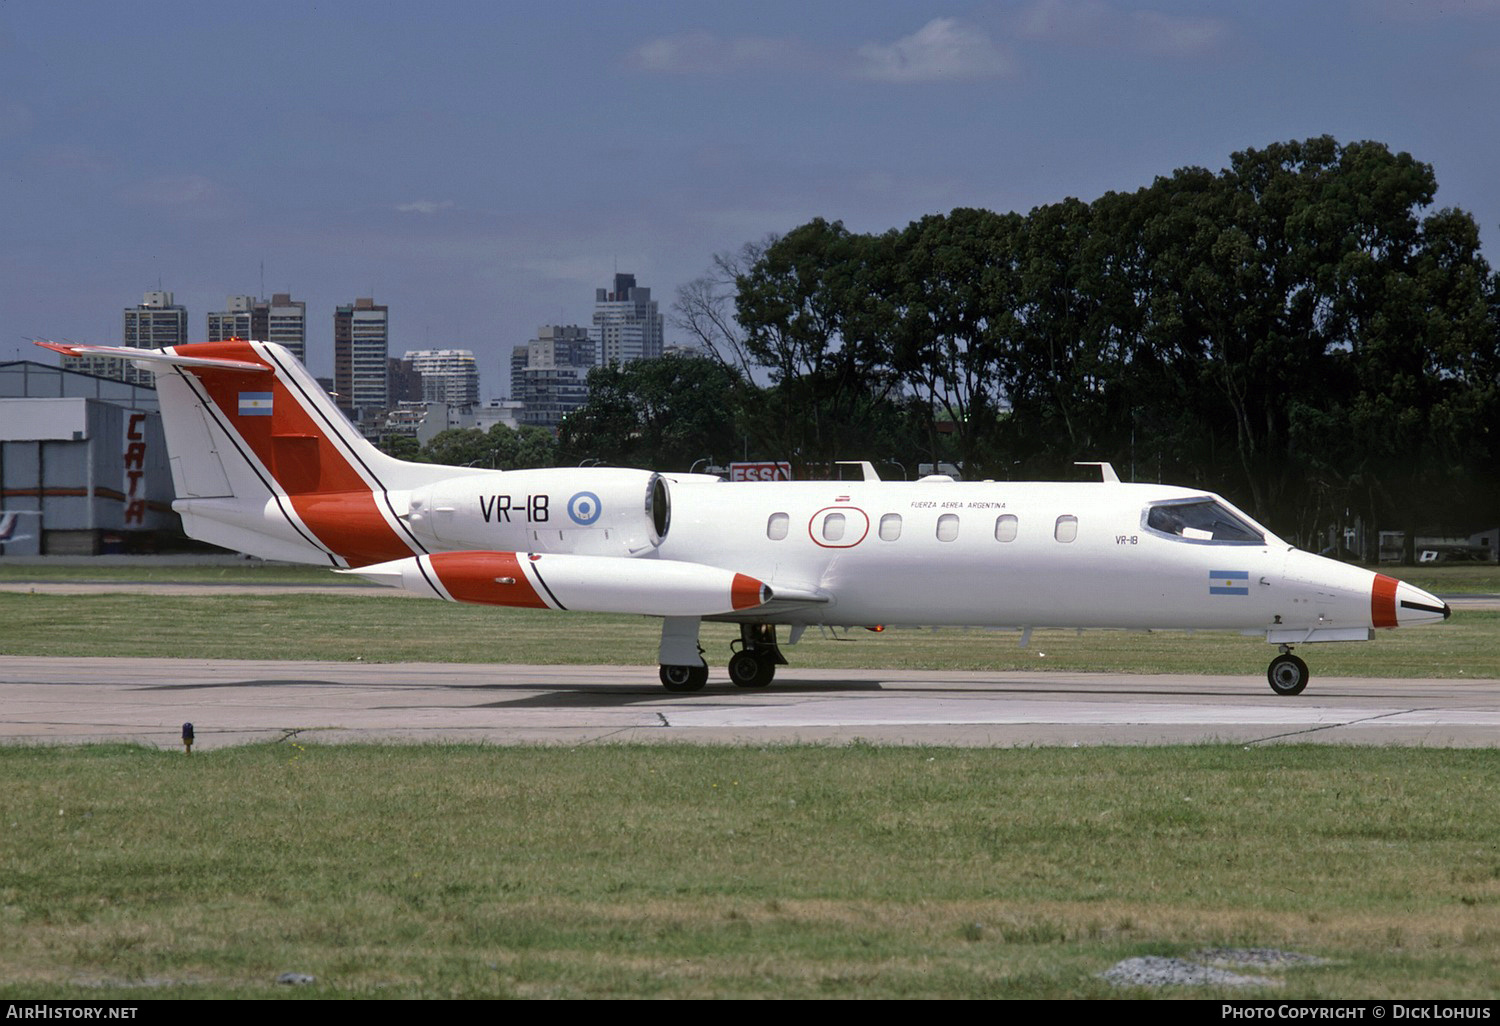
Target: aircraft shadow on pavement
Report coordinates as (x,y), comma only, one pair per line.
(598,696)
(545,694)
(568,694)
(206,685)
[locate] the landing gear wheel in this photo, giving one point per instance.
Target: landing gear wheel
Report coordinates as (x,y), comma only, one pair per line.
(1288,674)
(749,670)
(684,678)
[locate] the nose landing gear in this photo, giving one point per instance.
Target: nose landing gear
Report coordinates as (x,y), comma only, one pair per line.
(1288,674)
(678,677)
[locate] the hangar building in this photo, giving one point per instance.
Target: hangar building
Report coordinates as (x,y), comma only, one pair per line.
(83,461)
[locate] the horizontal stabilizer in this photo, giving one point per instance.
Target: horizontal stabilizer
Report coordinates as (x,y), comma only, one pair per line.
(155,356)
(589,584)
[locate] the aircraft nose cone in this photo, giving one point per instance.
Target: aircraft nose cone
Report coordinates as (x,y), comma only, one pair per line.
(1395,603)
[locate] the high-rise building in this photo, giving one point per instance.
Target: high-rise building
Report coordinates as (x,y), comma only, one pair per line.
(286,324)
(403,383)
(627,325)
(448,375)
(157,322)
(242,317)
(549,374)
(361,339)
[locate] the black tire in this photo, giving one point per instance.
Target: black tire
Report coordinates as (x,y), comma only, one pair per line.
(749,670)
(684,678)
(1288,675)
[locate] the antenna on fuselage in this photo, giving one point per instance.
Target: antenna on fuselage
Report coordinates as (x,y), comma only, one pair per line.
(865,467)
(1106,470)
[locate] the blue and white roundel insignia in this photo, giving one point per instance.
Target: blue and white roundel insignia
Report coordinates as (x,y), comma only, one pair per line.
(584,508)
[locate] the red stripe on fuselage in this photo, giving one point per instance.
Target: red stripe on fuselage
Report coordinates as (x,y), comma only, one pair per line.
(478,576)
(330,496)
(1383,601)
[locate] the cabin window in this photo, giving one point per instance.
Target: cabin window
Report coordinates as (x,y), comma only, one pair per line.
(833,527)
(1005,527)
(1066,529)
(1204,520)
(776,527)
(890,527)
(947,527)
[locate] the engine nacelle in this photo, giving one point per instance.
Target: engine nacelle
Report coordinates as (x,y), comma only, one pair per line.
(597,512)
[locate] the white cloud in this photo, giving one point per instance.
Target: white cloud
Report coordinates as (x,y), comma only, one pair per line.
(423,207)
(1092,23)
(943,50)
(1167,35)
(694,53)
(1065,20)
(188,197)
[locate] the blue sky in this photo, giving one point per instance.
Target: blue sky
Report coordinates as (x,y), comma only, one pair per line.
(483,167)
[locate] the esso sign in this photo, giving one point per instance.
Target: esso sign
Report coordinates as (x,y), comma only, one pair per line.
(760,472)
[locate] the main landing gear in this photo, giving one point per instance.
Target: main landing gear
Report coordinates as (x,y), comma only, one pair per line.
(753,665)
(1288,674)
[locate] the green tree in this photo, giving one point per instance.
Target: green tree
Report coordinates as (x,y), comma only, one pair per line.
(956,279)
(461,447)
(815,317)
(499,448)
(661,414)
(1299,330)
(1422,363)
(403,447)
(705,308)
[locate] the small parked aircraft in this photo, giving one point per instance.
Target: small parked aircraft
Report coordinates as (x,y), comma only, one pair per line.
(8,521)
(264,462)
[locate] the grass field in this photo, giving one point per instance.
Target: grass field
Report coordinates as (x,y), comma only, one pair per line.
(857,871)
(1449,580)
(398,629)
(246,572)
(736,872)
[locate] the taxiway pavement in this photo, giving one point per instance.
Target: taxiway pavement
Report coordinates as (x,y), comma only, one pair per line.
(54,701)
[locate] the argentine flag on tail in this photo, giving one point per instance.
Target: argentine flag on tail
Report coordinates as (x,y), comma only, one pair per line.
(255,404)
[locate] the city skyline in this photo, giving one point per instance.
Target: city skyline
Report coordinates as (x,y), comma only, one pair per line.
(501,161)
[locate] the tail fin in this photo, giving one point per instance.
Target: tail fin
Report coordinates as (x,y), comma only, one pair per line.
(264,462)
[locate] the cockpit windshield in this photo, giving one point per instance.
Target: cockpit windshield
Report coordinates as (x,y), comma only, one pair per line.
(1205,520)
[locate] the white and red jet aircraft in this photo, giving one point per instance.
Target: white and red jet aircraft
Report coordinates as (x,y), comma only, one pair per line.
(263,462)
